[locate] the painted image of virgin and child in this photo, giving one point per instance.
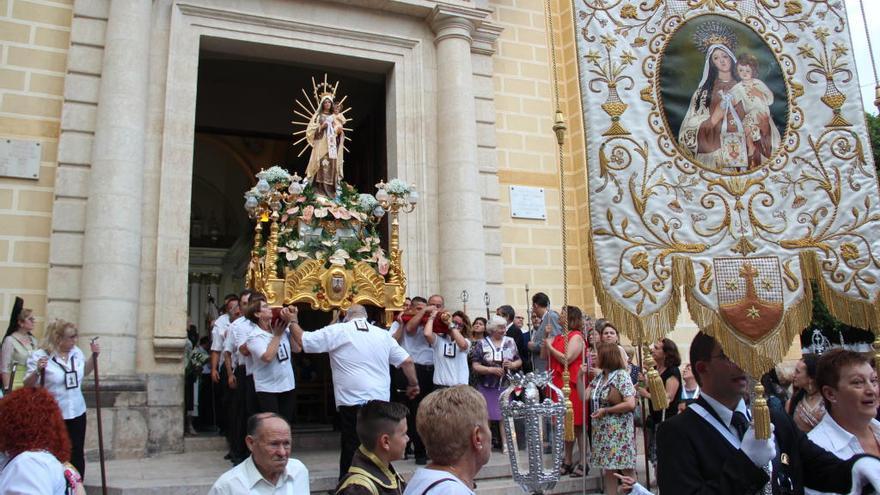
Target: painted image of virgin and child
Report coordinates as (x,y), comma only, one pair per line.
(728,126)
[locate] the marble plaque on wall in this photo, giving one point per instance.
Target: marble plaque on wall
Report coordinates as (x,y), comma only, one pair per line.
(527,202)
(20,159)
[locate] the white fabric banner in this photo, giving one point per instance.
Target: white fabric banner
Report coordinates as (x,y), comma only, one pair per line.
(728,154)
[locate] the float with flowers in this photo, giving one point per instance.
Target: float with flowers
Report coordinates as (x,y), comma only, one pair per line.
(310,248)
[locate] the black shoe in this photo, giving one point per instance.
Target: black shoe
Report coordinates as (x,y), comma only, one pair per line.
(421,461)
(228,456)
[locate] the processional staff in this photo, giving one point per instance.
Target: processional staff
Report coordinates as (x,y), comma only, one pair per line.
(486,300)
(100,427)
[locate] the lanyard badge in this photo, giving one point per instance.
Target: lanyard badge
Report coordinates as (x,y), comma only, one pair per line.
(361,325)
(283,353)
(449,349)
(71,379)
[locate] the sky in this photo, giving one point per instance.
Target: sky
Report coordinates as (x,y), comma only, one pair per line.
(860,47)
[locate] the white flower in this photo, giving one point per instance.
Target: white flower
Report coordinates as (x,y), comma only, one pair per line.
(340,257)
(367,202)
(275,175)
(321,212)
(327,243)
(397,187)
(295,255)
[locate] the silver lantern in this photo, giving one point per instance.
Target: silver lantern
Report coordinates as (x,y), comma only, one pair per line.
(543,422)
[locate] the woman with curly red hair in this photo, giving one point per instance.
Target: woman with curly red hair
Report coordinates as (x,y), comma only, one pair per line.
(60,366)
(34,439)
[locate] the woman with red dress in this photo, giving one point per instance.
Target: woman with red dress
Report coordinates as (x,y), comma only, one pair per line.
(570,317)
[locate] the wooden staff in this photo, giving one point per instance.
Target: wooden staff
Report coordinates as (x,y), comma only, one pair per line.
(11,379)
(486,300)
(100,428)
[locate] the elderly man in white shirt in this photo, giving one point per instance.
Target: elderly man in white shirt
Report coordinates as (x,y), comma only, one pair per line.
(269,470)
(360,355)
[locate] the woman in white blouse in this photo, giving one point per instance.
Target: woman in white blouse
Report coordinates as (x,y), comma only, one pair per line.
(850,390)
(271,348)
(60,366)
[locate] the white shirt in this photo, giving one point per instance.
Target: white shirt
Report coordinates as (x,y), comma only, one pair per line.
(70,400)
(832,437)
(359,357)
(417,346)
(241,329)
(277,375)
(218,332)
(424,477)
(33,473)
(246,479)
(450,371)
(726,414)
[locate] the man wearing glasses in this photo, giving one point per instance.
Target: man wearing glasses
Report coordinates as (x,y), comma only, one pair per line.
(711,448)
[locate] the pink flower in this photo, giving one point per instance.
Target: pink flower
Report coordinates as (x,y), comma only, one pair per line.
(308,211)
(383,266)
(300,198)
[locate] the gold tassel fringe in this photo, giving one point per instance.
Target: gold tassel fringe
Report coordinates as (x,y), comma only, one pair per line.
(761,414)
(568,435)
(755,357)
(659,400)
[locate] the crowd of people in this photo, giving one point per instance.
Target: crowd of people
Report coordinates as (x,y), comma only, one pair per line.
(429,386)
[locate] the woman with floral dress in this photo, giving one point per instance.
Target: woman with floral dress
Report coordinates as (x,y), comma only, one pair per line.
(612,401)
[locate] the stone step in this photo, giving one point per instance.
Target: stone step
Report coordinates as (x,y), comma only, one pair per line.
(313,438)
(193,473)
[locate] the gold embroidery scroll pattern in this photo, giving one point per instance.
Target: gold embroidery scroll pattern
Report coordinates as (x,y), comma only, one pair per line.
(645,262)
(839,236)
(799,14)
(625,20)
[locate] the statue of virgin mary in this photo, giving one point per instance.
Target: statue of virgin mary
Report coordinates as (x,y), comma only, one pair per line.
(326,137)
(712,129)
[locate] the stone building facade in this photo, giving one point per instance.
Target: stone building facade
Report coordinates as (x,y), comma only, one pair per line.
(108,89)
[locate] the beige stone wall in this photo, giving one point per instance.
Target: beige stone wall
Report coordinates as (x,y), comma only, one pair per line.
(527,153)
(34,40)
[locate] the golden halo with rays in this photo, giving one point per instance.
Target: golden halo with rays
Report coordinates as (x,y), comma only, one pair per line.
(310,107)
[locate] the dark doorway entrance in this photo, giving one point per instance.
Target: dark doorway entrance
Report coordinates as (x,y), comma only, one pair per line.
(245,105)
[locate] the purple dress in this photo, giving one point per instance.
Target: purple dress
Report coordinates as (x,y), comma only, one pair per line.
(489,385)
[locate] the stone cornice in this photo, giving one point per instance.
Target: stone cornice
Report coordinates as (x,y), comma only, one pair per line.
(485,37)
(469,23)
(206,12)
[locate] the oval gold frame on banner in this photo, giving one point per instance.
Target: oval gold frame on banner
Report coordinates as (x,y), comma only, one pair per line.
(659,44)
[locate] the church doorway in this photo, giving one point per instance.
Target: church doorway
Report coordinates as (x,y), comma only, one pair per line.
(245,104)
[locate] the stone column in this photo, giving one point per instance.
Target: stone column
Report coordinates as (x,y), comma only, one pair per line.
(462,252)
(112,242)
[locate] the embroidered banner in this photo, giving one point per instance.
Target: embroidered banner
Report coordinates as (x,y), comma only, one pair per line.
(728,156)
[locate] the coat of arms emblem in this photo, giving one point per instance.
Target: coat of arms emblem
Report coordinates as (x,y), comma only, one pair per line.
(750,294)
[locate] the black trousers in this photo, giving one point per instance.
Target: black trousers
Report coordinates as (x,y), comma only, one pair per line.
(425,376)
(280,403)
(237,416)
(76,430)
(348,436)
(218,397)
(207,406)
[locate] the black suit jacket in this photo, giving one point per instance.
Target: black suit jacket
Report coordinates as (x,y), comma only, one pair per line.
(694,458)
(516,334)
